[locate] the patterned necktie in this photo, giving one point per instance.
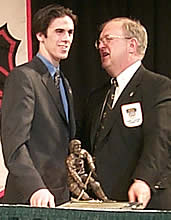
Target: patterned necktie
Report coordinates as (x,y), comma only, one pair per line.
(108,103)
(106,109)
(59,84)
(57,79)
(111,94)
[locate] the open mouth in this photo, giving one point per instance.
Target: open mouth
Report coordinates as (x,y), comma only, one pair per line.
(104,54)
(64,47)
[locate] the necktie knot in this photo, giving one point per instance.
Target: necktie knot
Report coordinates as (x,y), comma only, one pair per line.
(111,95)
(114,82)
(57,79)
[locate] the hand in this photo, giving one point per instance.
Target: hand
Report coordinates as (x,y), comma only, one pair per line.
(82,185)
(94,174)
(139,191)
(92,168)
(42,198)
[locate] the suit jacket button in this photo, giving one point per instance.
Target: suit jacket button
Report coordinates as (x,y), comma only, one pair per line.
(104,114)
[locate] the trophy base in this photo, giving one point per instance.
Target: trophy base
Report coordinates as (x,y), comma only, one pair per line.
(97,204)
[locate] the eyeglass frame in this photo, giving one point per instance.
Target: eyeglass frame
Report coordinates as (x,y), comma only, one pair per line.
(108,38)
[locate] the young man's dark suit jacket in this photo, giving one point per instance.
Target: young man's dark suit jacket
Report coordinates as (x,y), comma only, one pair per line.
(123,153)
(35,133)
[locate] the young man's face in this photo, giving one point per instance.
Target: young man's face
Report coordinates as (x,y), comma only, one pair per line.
(56,45)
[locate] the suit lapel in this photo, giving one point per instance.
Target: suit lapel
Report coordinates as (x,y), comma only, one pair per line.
(70,105)
(127,96)
(48,82)
(97,112)
(95,123)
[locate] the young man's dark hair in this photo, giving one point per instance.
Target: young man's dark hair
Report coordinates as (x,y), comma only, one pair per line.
(43,17)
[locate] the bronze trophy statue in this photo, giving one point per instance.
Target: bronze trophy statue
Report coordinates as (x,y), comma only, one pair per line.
(78,179)
(82,183)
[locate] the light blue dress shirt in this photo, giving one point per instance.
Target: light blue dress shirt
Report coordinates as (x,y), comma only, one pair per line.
(52,69)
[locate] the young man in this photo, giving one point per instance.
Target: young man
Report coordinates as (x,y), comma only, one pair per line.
(130,136)
(37,116)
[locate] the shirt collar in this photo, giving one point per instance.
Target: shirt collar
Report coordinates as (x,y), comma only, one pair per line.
(51,68)
(124,77)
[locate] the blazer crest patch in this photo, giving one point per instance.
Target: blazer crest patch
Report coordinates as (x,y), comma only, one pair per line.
(132,114)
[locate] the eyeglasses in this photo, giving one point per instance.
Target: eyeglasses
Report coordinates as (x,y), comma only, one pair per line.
(106,39)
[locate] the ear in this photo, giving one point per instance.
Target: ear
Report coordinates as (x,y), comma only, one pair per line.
(133,44)
(40,36)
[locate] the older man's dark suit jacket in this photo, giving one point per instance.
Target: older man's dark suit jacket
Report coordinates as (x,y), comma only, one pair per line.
(124,153)
(35,133)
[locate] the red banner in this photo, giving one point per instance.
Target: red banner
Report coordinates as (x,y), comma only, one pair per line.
(15,36)
(15,48)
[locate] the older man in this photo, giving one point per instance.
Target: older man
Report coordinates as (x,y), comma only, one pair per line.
(128,121)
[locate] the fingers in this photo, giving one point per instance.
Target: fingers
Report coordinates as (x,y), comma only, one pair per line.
(143,199)
(140,192)
(51,202)
(42,198)
(131,196)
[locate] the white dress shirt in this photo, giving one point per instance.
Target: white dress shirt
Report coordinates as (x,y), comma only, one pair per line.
(123,78)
